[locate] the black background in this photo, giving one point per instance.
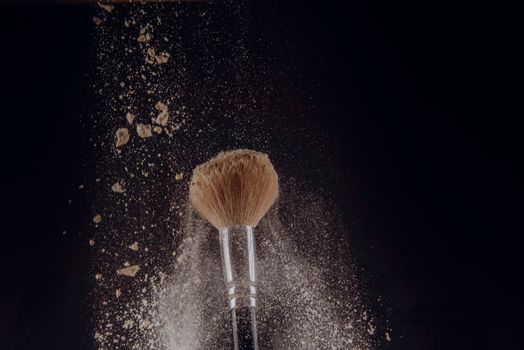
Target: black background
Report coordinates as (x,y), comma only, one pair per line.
(422,111)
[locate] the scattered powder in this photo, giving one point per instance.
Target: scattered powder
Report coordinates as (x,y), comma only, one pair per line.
(91,242)
(98,276)
(309,297)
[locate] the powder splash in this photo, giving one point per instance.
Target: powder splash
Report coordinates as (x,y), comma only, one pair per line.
(179,79)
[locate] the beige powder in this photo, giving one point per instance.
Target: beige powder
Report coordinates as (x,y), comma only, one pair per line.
(130,271)
(144,130)
(122,137)
(130,117)
(118,188)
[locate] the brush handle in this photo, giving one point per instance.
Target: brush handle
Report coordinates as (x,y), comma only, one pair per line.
(244,322)
(237,247)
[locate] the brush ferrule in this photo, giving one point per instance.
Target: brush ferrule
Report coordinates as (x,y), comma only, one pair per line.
(237,247)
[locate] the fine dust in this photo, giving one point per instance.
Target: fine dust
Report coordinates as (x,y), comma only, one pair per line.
(180,75)
(306,301)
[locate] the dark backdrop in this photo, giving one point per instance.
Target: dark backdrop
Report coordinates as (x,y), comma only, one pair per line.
(422,100)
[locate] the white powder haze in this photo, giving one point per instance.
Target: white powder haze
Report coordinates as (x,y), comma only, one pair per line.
(300,307)
(157,275)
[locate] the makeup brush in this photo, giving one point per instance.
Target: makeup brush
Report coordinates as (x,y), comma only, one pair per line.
(233,191)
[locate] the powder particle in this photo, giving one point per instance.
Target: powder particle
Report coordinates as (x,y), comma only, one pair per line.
(157,129)
(151,52)
(108,8)
(98,276)
(161,106)
(128,271)
(319,323)
(162,118)
(150,55)
(118,188)
(162,58)
(97,219)
(80,187)
(134,246)
(144,130)
(118,293)
(388,336)
(91,242)
(130,117)
(122,137)
(98,21)
(128,324)
(145,37)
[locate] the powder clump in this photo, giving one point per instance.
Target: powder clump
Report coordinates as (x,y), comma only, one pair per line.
(144,130)
(130,117)
(130,271)
(118,188)
(122,137)
(108,8)
(97,219)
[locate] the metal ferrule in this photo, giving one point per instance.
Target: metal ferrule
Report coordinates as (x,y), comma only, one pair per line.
(237,248)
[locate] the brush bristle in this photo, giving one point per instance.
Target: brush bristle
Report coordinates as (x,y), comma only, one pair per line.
(234,188)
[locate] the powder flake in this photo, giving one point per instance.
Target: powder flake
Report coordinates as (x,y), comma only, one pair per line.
(130,271)
(118,188)
(162,58)
(162,118)
(144,130)
(97,219)
(108,8)
(130,117)
(122,137)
